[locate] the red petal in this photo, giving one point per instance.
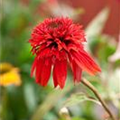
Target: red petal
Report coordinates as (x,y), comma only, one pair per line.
(39,67)
(77,71)
(85,62)
(60,72)
(55,80)
(46,71)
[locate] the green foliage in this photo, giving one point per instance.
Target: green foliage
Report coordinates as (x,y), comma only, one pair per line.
(78,98)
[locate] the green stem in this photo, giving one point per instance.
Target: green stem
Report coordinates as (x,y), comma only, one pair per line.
(93,89)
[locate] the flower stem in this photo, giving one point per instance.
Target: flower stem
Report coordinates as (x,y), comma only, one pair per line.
(93,89)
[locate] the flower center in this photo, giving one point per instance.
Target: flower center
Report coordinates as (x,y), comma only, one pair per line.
(4,71)
(54,44)
(55,24)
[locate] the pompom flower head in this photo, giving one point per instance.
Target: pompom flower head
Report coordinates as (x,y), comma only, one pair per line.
(56,42)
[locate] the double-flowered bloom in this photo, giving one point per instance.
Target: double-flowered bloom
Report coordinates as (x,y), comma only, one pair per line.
(56,42)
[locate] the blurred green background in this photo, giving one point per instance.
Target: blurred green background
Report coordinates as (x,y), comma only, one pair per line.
(21,98)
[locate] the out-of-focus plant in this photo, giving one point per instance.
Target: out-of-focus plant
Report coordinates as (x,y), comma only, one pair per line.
(116,55)
(9,75)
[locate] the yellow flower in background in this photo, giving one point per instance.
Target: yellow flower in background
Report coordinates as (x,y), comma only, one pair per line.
(9,75)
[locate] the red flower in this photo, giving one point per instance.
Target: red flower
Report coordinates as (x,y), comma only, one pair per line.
(55,42)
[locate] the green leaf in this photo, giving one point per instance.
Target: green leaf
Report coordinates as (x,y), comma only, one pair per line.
(29,95)
(114,81)
(78,98)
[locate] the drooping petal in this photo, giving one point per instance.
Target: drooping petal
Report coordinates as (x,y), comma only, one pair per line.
(39,67)
(85,62)
(77,71)
(60,72)
(55,80)
(46,71)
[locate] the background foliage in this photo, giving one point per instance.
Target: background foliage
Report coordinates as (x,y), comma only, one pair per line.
(30,101)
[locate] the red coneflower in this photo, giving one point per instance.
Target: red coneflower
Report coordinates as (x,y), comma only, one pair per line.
(55,42)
